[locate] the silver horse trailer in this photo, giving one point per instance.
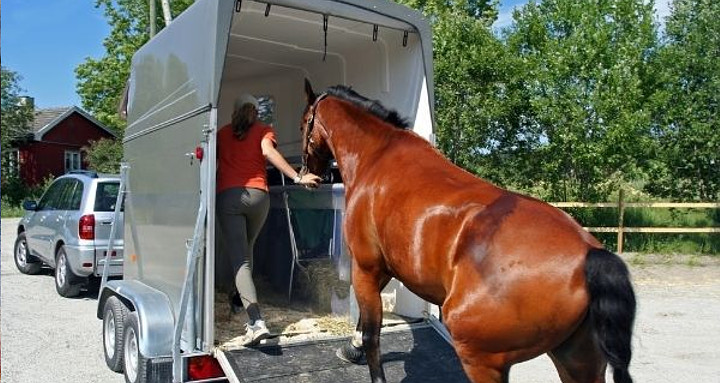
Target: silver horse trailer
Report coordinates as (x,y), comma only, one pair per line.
(162,322)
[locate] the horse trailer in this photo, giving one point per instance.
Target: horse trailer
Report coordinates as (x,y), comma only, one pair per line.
(169,318)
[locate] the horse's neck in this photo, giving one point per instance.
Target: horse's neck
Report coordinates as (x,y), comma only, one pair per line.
(355,139)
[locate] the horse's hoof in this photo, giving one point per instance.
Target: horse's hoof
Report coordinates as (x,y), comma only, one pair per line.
(351,354)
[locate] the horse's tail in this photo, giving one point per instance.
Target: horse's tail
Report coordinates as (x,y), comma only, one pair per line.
(612,309)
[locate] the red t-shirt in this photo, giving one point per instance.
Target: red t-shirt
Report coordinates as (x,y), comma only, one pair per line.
(241,162)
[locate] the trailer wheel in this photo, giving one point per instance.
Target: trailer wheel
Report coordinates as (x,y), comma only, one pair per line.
(134,362)
(65,280)
(114,316)
(26,263)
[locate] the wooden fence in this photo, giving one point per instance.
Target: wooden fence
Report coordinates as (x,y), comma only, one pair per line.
(620,229)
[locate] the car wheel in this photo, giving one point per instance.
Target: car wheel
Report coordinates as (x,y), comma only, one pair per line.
(135,364)
(65,280)
(26,263)
(113,331)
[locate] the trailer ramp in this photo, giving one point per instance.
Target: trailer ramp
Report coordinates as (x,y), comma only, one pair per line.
(412,354)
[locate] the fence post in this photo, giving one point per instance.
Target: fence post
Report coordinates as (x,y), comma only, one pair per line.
(621,215)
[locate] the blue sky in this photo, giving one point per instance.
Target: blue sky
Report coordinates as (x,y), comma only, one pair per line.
(44,40)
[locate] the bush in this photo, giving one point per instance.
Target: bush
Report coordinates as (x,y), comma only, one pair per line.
(14,192)
(9,210)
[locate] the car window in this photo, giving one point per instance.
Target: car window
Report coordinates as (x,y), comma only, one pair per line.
(76,199)
(106,196)
(63,201)
(50,199)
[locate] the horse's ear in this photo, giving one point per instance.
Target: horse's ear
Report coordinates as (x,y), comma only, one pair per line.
(309,94)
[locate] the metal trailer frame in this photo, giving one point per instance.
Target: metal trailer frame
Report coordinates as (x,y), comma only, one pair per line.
(176,322)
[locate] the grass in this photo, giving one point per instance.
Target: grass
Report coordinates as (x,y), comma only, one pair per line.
(658,243)
(11,211)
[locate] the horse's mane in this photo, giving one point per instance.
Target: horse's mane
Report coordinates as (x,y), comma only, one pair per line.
(373,106)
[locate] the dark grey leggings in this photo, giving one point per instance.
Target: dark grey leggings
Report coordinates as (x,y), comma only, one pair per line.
(241,213)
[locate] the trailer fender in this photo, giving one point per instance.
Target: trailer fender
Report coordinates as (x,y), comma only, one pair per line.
(154,313)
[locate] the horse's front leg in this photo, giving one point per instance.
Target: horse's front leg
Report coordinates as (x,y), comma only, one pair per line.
(353,351)
(367,283)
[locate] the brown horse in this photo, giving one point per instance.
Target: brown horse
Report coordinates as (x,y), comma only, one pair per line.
(515,277)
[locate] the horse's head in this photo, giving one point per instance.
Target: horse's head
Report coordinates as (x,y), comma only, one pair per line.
(316,152)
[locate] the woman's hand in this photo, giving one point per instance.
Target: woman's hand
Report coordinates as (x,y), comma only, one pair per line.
(309,180)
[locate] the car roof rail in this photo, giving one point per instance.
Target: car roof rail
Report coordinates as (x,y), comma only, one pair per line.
(89,173)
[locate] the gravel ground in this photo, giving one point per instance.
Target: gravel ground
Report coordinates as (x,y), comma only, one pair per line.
(46,338)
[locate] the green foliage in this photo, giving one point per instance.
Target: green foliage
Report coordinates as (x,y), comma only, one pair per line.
(484,11)
(10,210)
(584,71)
(686,104)
(478,102)
(16,118)
(104,155)
(14,191)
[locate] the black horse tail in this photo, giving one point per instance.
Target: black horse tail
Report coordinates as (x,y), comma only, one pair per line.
(612,309)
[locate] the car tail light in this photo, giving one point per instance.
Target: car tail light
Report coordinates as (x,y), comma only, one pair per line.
(204,367)
(87,227)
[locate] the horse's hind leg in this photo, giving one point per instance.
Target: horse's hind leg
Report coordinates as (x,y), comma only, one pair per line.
(579,359)
(481,368)
(479,373)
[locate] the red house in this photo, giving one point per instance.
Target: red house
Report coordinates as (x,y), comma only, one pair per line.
(54,147)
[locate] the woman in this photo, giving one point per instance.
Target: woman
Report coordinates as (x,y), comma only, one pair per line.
(242,197)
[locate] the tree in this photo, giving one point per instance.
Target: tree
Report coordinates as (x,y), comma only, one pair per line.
(584,69)
(16,117)
(473,97)
(686,104)
(104,155)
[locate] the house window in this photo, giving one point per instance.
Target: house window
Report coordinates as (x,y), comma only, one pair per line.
(11,163)
(72,160)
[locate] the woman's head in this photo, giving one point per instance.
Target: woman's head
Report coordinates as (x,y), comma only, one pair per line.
(245,113)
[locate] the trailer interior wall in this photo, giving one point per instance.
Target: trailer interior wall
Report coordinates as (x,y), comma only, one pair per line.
(271,56)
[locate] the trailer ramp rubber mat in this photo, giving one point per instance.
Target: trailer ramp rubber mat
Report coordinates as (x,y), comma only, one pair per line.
(414,354)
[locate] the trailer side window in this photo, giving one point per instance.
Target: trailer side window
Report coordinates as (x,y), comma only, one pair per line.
(266,114)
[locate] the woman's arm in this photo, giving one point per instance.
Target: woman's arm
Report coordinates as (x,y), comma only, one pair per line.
(277,159)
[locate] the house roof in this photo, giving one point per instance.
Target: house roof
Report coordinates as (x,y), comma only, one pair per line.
(48,118)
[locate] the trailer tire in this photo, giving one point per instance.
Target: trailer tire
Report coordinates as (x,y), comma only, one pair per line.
(114,316)
(26,263)
(65,280)
(134,363)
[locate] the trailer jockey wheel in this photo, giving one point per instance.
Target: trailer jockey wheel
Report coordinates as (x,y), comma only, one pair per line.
(114,316)
(134,362)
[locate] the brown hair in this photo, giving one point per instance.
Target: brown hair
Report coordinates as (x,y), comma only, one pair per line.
(242,119)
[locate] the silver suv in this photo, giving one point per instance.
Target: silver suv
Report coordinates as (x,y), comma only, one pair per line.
(69,230)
